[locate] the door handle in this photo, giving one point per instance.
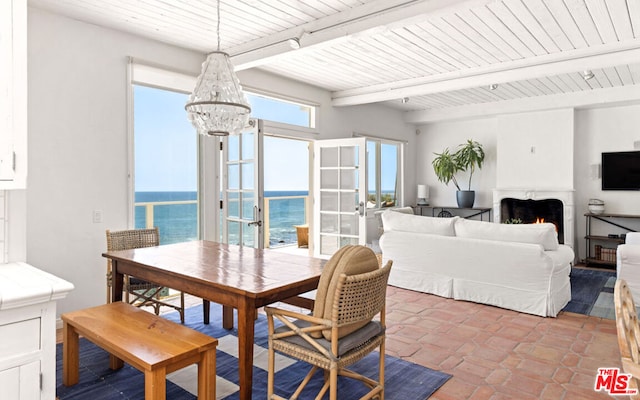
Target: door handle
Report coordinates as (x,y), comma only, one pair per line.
(255,221)
(360,209)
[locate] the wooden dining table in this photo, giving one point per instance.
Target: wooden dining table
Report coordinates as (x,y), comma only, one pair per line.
(237,277)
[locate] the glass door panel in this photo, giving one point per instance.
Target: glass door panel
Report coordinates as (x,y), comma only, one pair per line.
(328,201)
(329,157)
(340,211)
(242,187)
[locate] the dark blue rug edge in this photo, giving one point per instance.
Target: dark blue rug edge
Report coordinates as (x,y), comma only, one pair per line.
(586,286)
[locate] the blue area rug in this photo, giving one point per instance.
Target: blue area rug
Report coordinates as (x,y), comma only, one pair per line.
(403,380)
(592,293)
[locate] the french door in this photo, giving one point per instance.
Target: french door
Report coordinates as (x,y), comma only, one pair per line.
(242,184)
(340,194)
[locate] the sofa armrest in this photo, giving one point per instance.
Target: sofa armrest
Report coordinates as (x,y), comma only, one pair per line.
(628,267)
(632,238)
(563,256)
(628,257)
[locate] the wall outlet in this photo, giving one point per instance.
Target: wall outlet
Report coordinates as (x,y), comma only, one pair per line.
(97,216)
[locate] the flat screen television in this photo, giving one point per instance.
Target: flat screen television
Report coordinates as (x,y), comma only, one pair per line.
(621,170)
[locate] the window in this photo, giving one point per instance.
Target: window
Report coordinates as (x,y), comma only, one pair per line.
(383,173)
(175,179)
(282,111)
(166,165)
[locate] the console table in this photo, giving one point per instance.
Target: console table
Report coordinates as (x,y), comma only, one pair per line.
(438,211)
(605,256)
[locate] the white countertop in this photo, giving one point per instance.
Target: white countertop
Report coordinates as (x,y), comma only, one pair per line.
(22,285)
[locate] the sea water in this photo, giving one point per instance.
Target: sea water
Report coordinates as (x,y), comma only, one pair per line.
(178,222)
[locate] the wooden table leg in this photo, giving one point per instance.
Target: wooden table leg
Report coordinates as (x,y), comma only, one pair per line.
(70,355)
(155,384)
(246,325)
(117,282)
(117,286)
(206,311)
(227,317)
(207,375)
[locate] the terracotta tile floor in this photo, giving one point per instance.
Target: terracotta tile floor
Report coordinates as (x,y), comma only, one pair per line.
(500,354)
(494,353)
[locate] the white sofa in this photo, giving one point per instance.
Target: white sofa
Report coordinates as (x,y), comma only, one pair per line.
(518,267)
(628,264)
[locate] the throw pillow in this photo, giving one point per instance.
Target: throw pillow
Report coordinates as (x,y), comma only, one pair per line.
(542,234)
(395,221)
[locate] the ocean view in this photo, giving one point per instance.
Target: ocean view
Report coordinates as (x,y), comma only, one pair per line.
(178,222)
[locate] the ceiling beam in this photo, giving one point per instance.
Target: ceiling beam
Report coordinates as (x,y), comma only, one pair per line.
(524,69)
(604,97)
(369,18)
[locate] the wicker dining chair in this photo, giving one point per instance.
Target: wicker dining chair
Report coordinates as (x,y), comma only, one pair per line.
(342,329)
(628,333)
(137,291)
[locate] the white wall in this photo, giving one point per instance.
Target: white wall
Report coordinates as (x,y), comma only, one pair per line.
(434,138)
(78,140)
(535,150)
(15,245)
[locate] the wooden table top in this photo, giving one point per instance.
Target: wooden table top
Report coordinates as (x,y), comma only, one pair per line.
(243,270)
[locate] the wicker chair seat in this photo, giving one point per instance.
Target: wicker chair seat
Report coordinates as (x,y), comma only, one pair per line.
(141,284)
(345,344)
(310,356)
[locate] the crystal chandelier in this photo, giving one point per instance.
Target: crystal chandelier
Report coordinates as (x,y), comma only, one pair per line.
(217,106)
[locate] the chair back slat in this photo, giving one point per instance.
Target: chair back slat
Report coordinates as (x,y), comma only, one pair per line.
(132,239)
(360,297)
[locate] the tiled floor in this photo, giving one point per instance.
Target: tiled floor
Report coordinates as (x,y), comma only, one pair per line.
(499,354)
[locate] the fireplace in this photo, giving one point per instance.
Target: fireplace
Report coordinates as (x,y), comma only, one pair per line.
(555,206)
(533,211)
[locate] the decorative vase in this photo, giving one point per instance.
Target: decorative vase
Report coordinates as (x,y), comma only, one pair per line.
(596,206)
(465,198)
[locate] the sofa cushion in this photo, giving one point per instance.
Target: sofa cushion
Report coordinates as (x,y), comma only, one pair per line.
(403,210)
(395,221)
(542,234)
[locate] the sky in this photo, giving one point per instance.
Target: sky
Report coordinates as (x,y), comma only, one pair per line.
(166,145)
(161,125)
(165,142)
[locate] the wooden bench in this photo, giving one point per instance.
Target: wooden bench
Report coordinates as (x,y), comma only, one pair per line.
(152,344)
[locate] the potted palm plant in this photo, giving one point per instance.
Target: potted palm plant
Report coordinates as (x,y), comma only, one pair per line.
(446,165)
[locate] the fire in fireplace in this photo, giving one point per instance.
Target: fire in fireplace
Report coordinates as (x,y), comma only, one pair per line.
(534,211)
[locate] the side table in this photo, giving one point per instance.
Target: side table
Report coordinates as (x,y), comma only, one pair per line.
(443,211)
(302,232)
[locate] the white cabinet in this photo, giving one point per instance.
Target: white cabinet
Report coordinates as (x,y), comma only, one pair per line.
(13,94)
(17,382)
(28,330)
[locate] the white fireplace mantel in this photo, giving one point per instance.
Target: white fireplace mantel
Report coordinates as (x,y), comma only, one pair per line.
(564,195)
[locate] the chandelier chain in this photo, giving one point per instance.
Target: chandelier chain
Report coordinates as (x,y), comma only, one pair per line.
(218,25)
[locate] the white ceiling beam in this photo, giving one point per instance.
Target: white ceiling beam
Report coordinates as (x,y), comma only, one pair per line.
(524,69)
(363,20)
(592,98)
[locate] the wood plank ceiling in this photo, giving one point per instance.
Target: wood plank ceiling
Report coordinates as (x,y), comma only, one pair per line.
(446,57)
